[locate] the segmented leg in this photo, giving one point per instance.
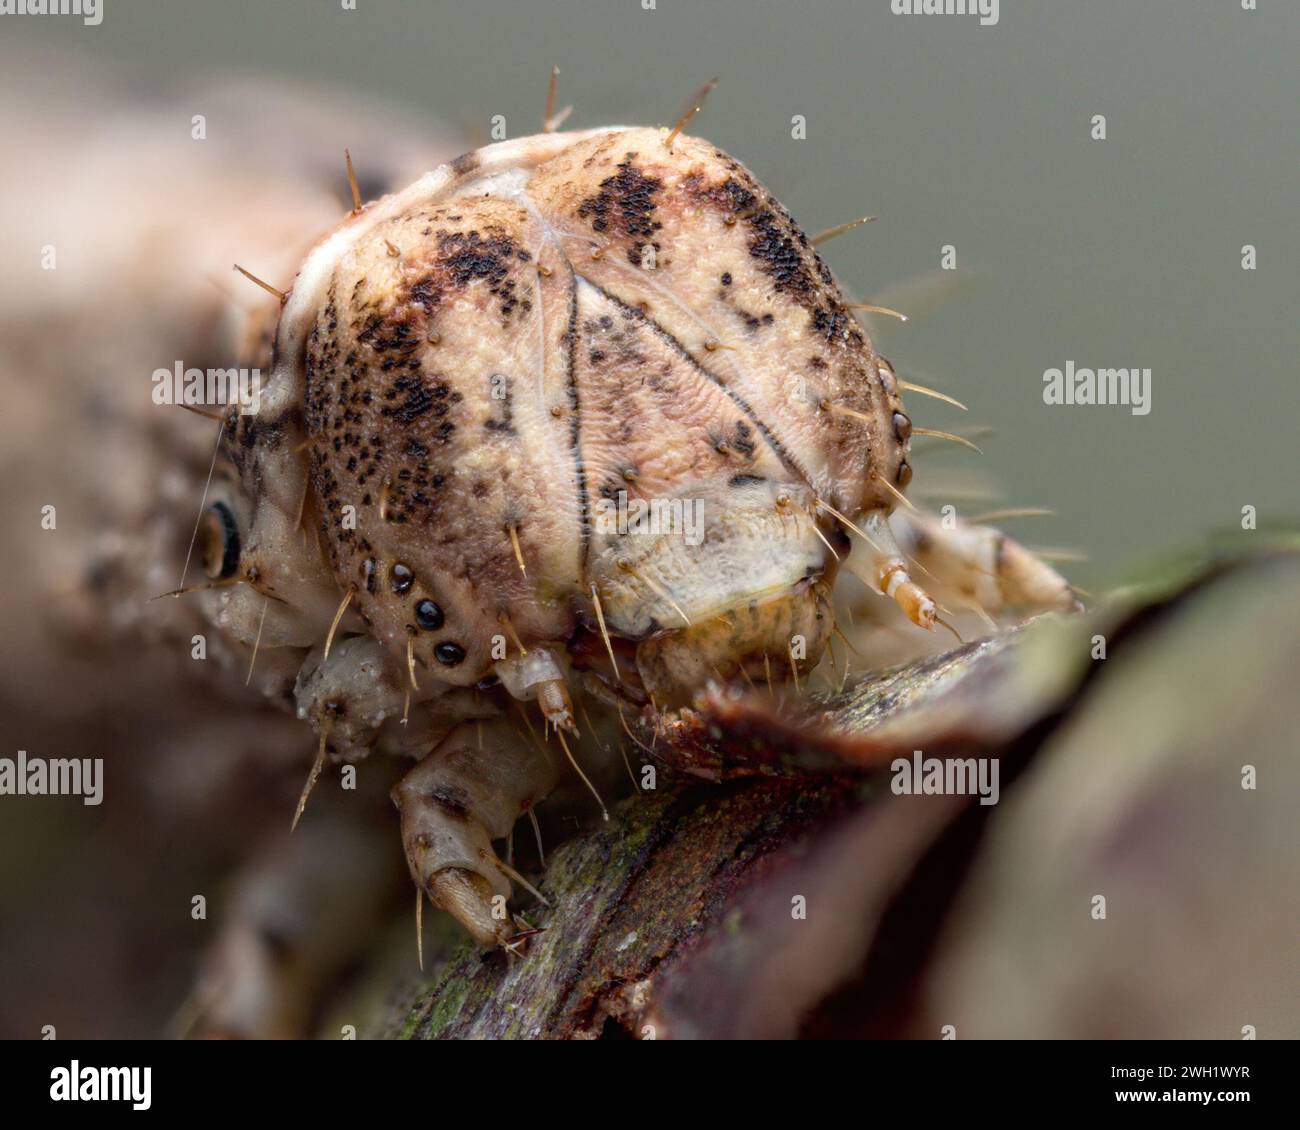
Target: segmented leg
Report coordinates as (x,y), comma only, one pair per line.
(890,572)
(468,792)
(979,566)
(541,674)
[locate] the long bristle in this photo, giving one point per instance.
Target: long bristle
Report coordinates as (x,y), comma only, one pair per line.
(1054,553)
(550,100)
(825,542)
(419,926)
(511,873)
(519,553)
(532,731)
(604,812)
(218,416)
(655,588)
(830,650)
(537,832)
(551,121)
(935,434)
(837,630)
(627,729)
(504,620)
(941,620)
(844,681)
(343,607)
(982,613)
(694,107)
(356,202)
(627,764)
(266,603)
(203,502)
(604,631)
(869,308)
(1011,512)
(313,775)
(848,522)
(266,286)
(908,386)
(839,229)
(831,406)
(410,661)
(200,588)
(302,511)
(895,491)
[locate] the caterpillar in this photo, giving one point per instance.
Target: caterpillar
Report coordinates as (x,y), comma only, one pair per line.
(547,440)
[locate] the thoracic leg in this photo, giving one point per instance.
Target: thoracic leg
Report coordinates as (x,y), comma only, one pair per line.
(979,565)
(889,572)
(540,674)
(468,792)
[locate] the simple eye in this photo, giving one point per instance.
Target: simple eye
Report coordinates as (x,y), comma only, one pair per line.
(449,654)
(219,542)
(428,615)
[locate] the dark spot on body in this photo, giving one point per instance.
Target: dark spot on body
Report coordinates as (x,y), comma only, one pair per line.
(780,255)
(422,397)
(454,802)
(625,205)
(833,323)
(741,440)
(465,164)
(468,256)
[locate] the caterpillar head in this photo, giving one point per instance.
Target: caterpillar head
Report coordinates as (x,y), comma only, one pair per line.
(595,382)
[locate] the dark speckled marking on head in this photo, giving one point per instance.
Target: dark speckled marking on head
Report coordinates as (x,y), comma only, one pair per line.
(779,246)
(625,206)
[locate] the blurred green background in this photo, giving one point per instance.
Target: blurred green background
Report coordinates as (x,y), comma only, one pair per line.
(1123,252)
